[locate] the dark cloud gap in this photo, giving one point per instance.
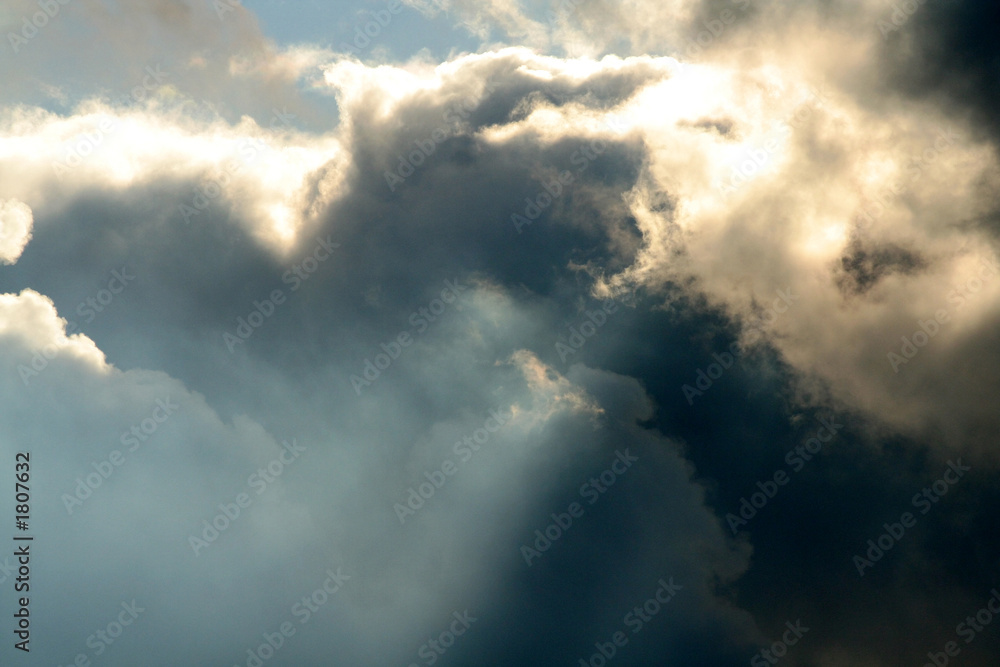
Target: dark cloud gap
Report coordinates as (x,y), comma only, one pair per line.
(721,126)
(795,547)
(622,527)
(863,267)
(949,51)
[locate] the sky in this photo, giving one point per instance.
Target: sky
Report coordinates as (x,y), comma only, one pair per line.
(637,333)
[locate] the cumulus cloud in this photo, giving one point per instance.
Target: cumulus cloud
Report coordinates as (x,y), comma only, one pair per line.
(416,310)
(15,229)
(149,458)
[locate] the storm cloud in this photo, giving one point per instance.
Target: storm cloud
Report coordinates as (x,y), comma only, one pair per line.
(638,334)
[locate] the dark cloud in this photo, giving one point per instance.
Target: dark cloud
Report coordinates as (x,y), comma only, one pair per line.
(863,267)
(948,52)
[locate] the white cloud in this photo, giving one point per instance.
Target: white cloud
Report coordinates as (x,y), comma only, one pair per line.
(15,229)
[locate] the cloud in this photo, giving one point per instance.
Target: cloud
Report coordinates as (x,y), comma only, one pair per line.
(126,453)
(15,229)
(149,457)
(760,196)
(870,235)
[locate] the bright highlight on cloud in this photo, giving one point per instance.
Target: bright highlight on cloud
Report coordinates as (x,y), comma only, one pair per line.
(15,229)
